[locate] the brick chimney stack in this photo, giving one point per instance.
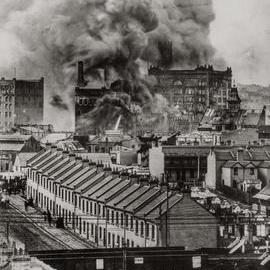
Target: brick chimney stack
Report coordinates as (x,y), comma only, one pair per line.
(80,79)
(240,154)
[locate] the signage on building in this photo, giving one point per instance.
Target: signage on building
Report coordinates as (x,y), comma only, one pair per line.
(196,262)
(99,264)
(138,260)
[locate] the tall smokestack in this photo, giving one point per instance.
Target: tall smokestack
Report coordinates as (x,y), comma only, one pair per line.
(80,78)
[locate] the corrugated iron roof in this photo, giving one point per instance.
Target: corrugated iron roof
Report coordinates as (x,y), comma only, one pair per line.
(11,147)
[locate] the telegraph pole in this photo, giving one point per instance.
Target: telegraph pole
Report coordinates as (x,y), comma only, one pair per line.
(167,206)
(7,232)
(106,226)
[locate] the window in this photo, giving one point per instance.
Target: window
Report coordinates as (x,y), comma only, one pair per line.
(142,229)
(147,229)
(92,229)
(91,207)
(117,218)
(136,227)
(235,171)
(83,205)
(122,219)
(113,239)
(87,207)
(126,218)
(109,238)
(100,233)
(251,172)
(153,232)
(131,222)
(112,217)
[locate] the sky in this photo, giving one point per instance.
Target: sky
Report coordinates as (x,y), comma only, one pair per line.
(241,35)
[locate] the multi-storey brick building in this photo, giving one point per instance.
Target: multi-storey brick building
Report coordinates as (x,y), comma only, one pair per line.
(7,102)
(21,102)
(192,91)
(29,101)
(111,209)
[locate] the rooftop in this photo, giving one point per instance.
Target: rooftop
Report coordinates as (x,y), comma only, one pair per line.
(118,191)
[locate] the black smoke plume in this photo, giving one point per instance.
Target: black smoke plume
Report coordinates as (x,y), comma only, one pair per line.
(57,102)
(48,38)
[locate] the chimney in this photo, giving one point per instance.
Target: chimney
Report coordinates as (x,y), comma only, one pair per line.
(153,183)
(124,176)
(65,154)
(72,157)
(163,186)
(144,181)
(78,160)
(115,173)
(100,167)
(240,154)
(48,145)
(92,165)
(80,78)
(107,170)
(53,148)
(134,179)
(59,151)
(85,163)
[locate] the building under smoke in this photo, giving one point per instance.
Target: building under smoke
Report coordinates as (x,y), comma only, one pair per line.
(21,102)
(86,97)
(193,91)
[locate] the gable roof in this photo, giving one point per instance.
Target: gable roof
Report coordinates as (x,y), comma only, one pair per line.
(24,157)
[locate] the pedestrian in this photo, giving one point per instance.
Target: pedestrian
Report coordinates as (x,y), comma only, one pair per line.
(49,216)
(45,215)
(26,205)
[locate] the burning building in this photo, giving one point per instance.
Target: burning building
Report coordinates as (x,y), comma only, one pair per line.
(193,91)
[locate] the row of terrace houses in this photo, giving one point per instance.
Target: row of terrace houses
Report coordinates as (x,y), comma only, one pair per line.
(113,209)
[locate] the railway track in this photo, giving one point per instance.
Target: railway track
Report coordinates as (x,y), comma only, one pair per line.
(26,230)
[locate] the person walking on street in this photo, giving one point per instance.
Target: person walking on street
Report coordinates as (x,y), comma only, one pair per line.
(49,216)
(45,215)
(25,205)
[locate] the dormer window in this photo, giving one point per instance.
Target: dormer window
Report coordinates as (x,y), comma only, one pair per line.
(235,171)
(251,171)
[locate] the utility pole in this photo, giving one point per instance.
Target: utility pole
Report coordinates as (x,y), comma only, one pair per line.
(7,232)
(167,206)
(124,248)
(106,226)
(97,231)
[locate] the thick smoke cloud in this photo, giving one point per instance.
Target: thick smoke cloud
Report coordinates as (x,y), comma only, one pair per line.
(47,38)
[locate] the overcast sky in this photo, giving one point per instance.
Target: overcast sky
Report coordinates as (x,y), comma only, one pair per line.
(241,34)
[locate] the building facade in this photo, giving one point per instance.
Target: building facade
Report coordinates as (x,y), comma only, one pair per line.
(112,209)
(7,104)
(21,102)
(226,164)
(29,101)
(193,91)
(11,145)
